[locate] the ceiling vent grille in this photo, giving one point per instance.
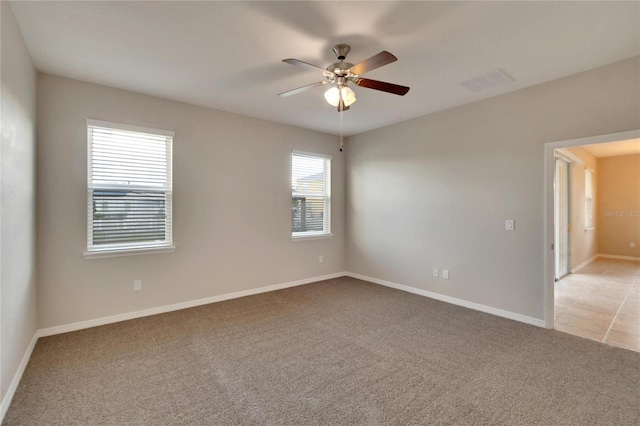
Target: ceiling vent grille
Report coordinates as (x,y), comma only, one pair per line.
(487,81)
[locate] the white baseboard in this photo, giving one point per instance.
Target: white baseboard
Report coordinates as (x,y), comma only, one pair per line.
(6,401)
(448,299)
(198,302)
(177,306)
(585,263)
(615,256)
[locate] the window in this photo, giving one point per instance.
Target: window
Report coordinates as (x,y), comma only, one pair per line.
(310,195)
(129,188)
(588,199)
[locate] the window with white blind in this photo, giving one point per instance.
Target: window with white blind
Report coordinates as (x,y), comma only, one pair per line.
(310,195)
(129,188)
(589,222)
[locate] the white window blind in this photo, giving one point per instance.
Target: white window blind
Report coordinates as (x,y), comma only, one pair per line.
(129,187)
(310,194)
(588,199)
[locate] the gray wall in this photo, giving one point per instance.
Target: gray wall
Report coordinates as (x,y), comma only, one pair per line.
(232,206)
(435,191)
(17,200)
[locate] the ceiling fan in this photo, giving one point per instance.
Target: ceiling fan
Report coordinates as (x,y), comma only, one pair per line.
(341,73)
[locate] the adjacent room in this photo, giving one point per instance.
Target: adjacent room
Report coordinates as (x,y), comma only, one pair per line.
(221,212)
(596,228)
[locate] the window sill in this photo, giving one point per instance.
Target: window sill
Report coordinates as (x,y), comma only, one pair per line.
(311,237)
(128,252)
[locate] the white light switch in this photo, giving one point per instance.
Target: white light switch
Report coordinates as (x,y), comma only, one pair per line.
(435,272)
(445,274)
(510,225)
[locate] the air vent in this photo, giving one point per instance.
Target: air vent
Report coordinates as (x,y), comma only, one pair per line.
(487,81)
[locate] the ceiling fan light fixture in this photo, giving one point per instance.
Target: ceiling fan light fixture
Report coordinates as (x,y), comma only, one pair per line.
(348,95)
(337,75)
(333,96)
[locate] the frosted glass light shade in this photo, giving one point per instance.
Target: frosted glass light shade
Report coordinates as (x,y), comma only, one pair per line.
(348,96)
(333,96)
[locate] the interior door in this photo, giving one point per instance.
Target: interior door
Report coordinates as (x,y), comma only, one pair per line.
(561,218)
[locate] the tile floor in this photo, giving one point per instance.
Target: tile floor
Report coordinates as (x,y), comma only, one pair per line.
(601,302)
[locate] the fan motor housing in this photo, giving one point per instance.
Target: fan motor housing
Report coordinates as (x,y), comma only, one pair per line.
(340,68)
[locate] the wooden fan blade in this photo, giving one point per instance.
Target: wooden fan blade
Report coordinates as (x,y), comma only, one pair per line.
(305,65)
(376,61)
(381,85)
(302,89)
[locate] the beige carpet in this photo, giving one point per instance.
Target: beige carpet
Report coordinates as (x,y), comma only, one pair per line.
(337,352)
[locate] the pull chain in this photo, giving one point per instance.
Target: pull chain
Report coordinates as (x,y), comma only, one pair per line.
(341,131)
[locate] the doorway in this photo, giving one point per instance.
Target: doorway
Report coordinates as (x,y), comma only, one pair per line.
(550,213)
(597,278)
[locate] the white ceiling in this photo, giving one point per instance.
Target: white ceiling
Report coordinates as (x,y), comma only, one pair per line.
(227,55)
(614,149)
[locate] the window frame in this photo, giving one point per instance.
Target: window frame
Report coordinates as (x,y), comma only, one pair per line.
(326,231)
(125,249)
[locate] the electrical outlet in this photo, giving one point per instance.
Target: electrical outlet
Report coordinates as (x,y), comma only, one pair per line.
(510,225)
(320,259)
(137,285)
(445,274)
(435,272)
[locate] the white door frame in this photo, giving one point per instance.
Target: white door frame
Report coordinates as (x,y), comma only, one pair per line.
(549,172)
(564,227)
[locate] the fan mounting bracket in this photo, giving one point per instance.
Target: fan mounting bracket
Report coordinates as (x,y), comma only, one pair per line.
(341,51)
